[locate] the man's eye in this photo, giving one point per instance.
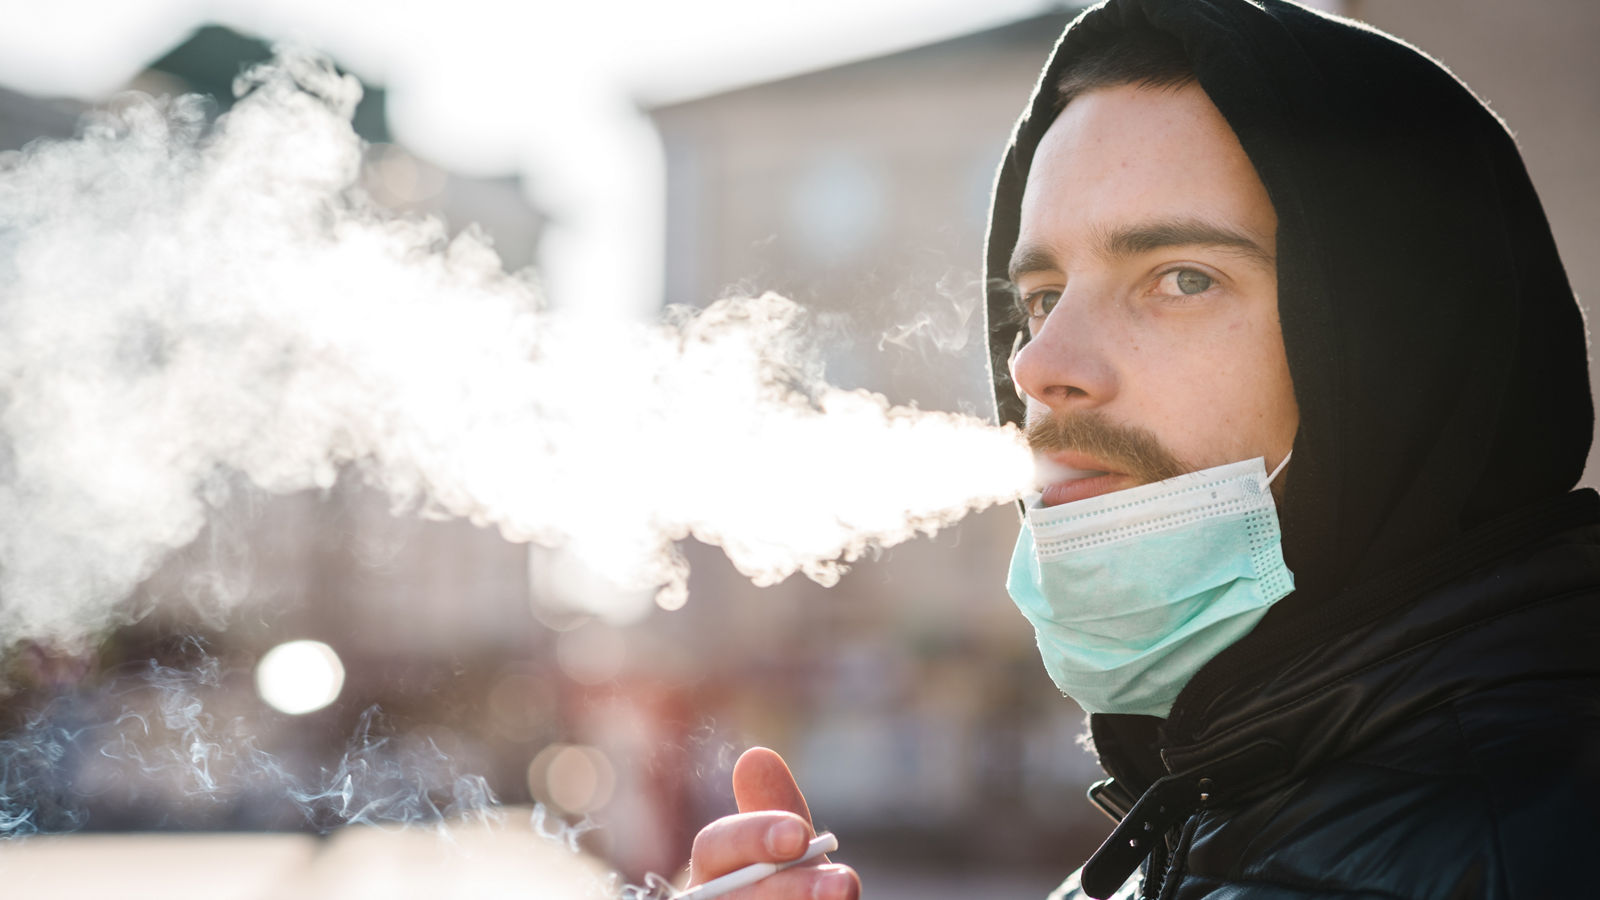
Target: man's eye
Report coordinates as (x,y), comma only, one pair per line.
(1038,304)
(1188,281)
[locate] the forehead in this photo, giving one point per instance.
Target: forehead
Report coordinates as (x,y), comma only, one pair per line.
(1127,155)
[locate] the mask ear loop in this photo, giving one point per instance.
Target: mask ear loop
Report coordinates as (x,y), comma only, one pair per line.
(1268,482)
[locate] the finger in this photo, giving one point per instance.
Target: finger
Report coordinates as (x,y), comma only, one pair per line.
(805,882)
(762,780)
(733,842)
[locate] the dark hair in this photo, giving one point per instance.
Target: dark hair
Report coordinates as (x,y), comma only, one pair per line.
(1141,56)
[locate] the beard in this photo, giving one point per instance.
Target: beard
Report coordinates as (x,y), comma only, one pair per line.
(1126,448)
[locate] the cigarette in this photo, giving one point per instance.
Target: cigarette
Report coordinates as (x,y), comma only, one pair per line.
(738,878)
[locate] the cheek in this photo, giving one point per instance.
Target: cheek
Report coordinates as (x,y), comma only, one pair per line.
(1219,397)
(1188,399)
(1267,412)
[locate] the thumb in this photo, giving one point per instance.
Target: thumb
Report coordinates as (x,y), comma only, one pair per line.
(762,780)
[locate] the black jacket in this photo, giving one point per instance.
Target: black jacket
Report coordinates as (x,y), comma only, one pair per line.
(1415,719)
(1449,749)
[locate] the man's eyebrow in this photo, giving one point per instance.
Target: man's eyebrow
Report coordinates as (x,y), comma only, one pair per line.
(1136,239)
(1031,258)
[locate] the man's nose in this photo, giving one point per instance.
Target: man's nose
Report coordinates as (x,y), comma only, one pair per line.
(1065,366)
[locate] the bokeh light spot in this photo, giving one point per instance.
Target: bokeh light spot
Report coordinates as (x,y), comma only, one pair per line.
(575,778)
(299,677)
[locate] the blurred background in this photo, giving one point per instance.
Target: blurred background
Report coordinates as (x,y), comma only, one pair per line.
(634,156)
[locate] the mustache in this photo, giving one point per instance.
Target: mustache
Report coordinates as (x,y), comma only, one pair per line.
(1131,449)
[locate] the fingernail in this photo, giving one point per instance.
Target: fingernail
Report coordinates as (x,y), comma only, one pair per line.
(835,885)
(786,839)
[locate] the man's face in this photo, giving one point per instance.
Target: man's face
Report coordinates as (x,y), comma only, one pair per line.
(1145,267)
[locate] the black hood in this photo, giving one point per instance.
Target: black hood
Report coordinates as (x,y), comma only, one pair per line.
(1437,352)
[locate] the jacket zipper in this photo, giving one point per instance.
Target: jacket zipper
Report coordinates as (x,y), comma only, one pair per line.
(1174,868)
(1169,802)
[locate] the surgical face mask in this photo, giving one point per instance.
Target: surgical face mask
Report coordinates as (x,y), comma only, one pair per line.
(1132,592)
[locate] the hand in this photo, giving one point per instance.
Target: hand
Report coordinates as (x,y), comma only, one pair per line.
(773,825)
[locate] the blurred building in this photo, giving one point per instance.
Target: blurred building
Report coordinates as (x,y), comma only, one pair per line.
(860,191)
(909,697)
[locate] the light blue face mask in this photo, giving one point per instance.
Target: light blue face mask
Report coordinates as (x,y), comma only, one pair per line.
(1132,592)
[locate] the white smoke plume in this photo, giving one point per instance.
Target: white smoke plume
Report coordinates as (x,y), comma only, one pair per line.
(944,327)
(185,304)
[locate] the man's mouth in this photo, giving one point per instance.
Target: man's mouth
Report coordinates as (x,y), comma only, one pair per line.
(1069,476)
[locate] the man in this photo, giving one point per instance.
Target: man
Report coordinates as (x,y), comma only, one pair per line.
(1268,273)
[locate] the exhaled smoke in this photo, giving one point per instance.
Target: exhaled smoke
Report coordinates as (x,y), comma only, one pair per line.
(944,325)
(185,304)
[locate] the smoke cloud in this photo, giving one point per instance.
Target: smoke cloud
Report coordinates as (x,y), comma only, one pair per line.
(945,326)
(187,305)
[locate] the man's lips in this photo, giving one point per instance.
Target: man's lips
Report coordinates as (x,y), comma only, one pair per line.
(1069,476)
(1083,488)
